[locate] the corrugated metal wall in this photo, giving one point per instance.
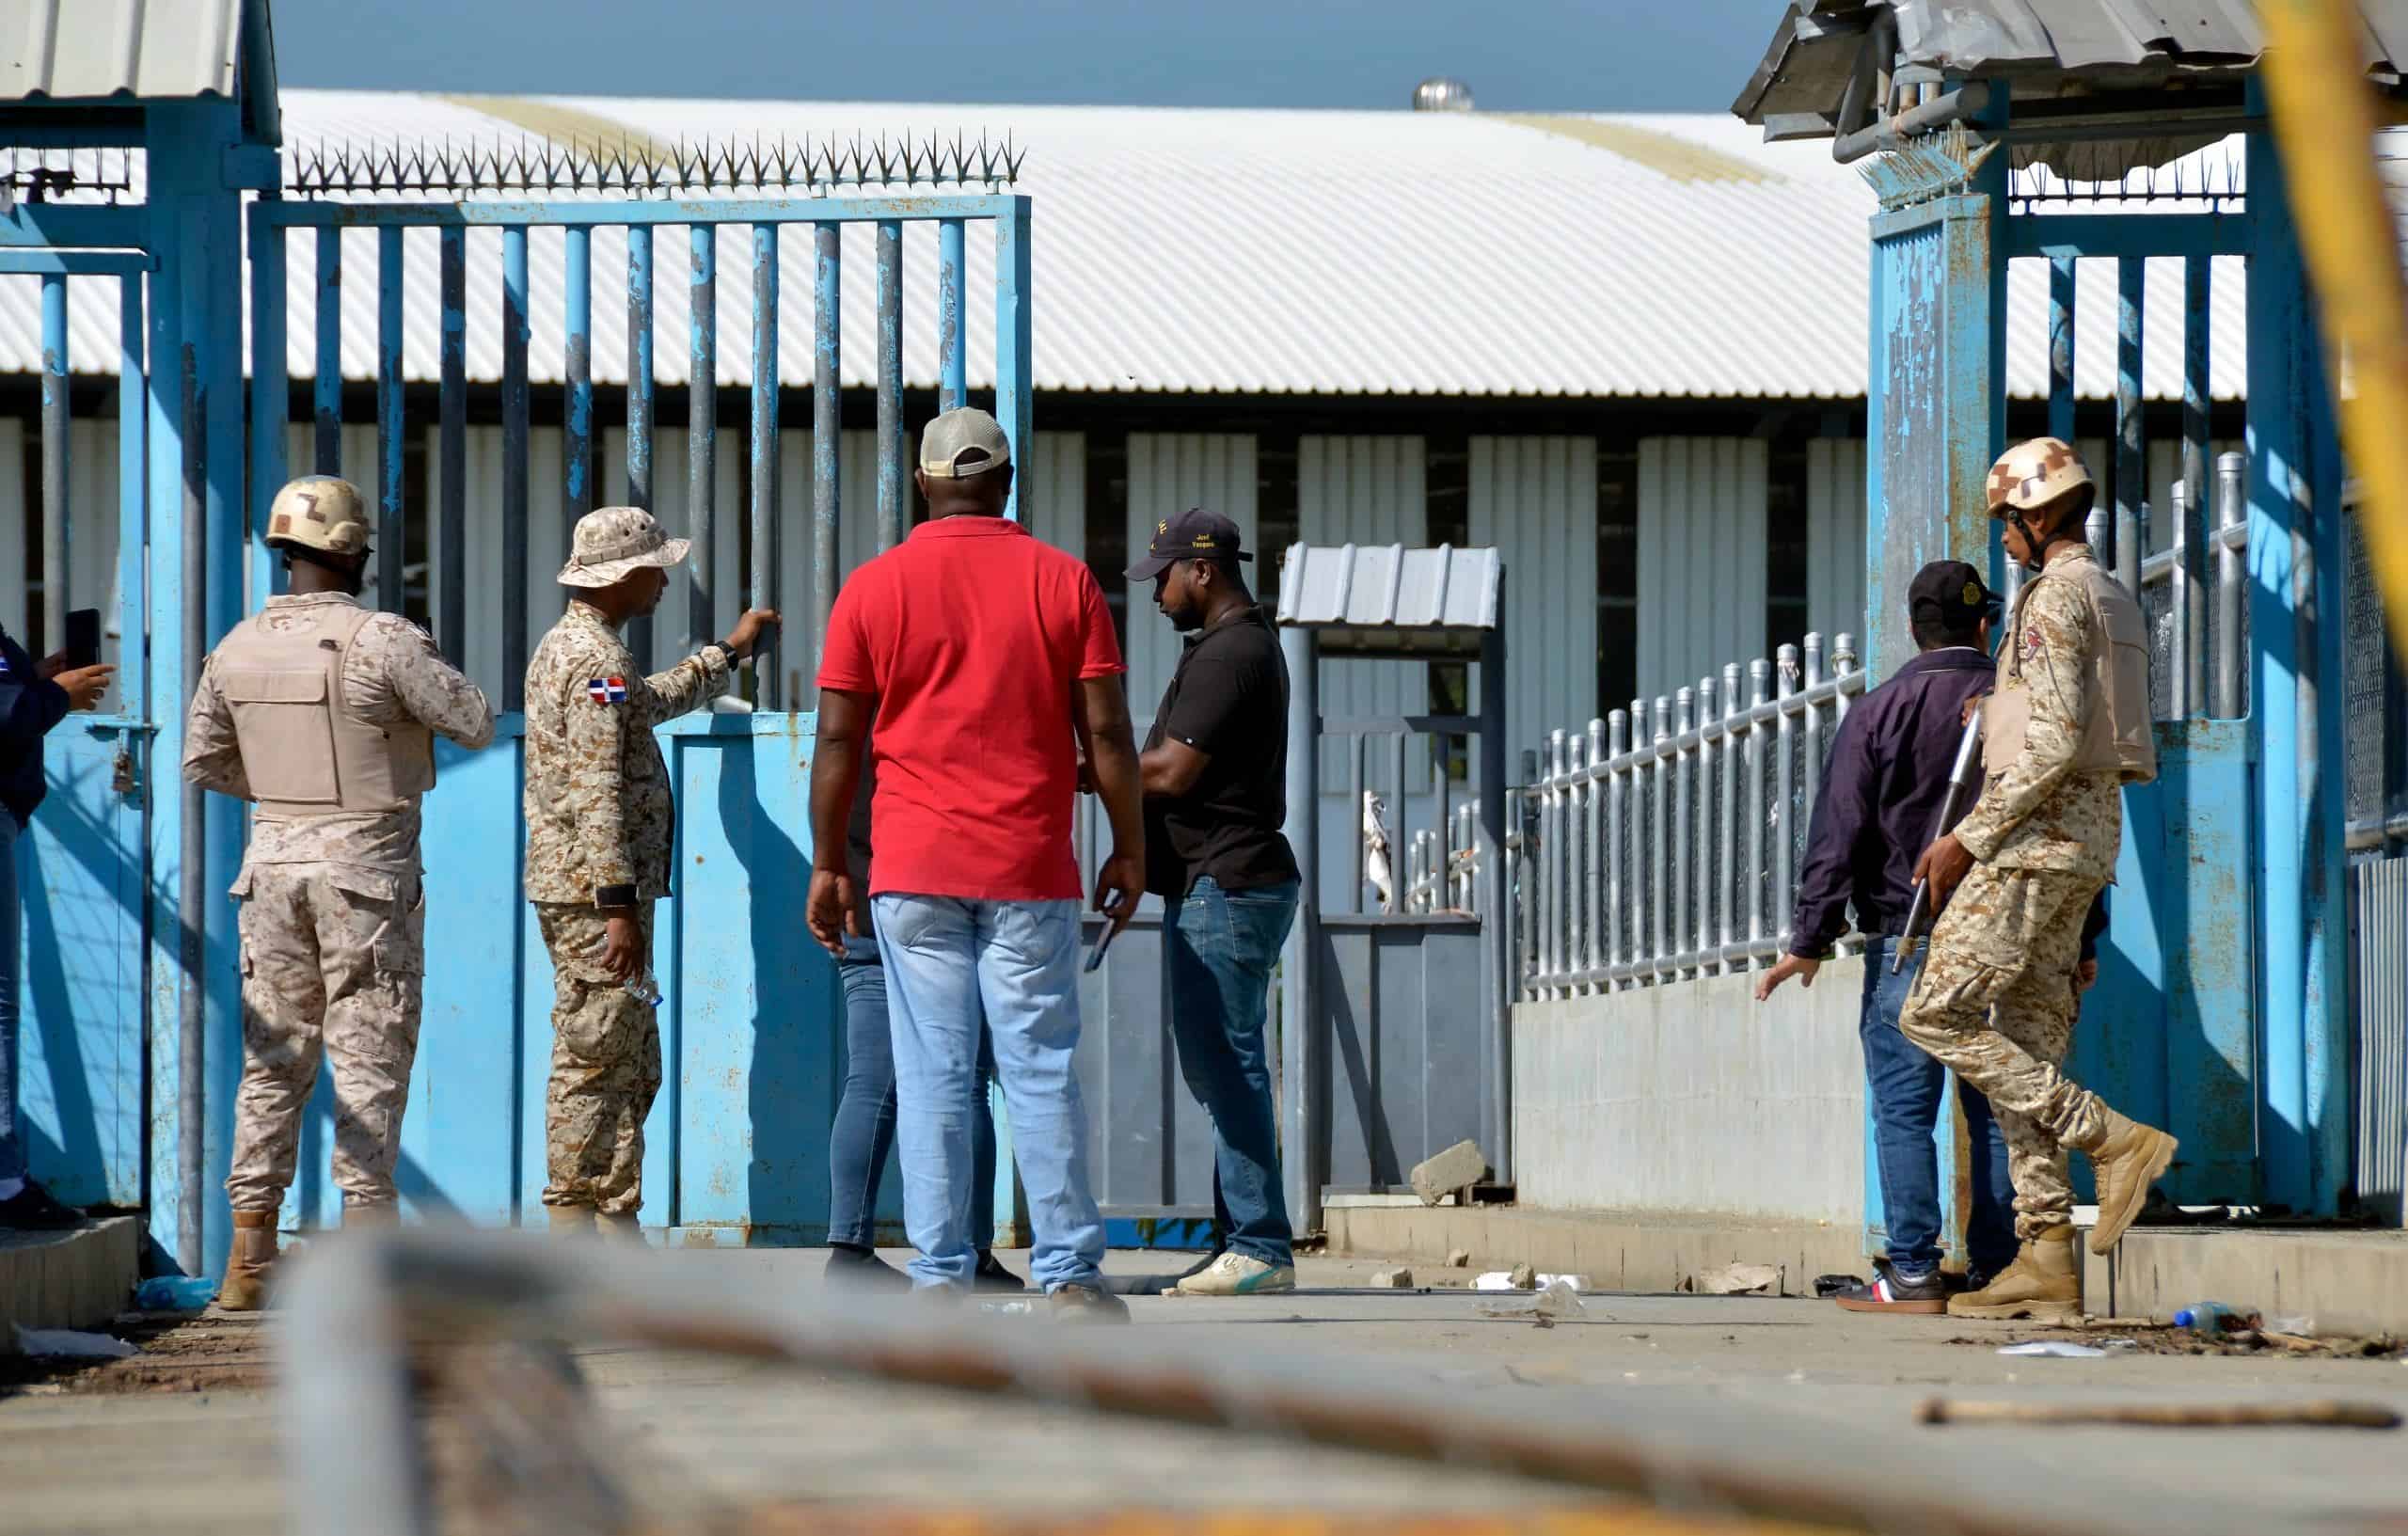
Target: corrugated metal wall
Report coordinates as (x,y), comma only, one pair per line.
(1835,554)
(1701,557)
(2380,912)
(1535,499)
(1169,472)
(1366,490)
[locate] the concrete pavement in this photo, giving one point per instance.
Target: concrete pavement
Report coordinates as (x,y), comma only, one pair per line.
(1788,1387)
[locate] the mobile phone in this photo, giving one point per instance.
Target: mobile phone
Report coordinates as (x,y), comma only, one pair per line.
(1102,943)
(82,637)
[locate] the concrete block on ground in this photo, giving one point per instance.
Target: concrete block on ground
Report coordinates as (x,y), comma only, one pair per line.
(1459,1259)
(1458,1165)
(2352,1283)
(1392,1279)
(78,1279)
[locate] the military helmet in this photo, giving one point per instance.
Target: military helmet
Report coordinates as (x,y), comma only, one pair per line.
(319,512)
(2032,474)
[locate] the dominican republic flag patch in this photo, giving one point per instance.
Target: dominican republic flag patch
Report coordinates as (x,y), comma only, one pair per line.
(607,689)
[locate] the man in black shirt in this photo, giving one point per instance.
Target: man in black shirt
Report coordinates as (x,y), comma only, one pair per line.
(1214,771)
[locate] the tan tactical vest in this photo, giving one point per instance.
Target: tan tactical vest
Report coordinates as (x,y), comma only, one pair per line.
(2119,739)
(306,752)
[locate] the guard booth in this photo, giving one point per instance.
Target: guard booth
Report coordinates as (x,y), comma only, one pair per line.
(1395,1024)
(149,196)
(2120,163)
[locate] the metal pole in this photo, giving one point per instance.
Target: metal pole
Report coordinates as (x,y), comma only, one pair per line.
(449,598)
(1398,823)
(1759,677)
(577,471)
(1659,843)
(1813,755)
(2128,543)
(827,428)
(1727,873)
(702,433)
(2180,675)
(1015,398)
(134,504)
(1301,1130)
(894,521)
(1551,885)
(1357,747)
(390,550)
(57,514)
(514,463)
(2232,511)
(1683,721)
(2061,347)
(271,397)
(1785,851)
(1493,687)
(1702,863)
(1843,663)
(953,352)
(767,685)
(1595,836)
(325,390)
(641,408)
(192,873)
(1618,924)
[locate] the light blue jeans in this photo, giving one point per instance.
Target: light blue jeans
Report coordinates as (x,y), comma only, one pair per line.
(12,944)
(944,957)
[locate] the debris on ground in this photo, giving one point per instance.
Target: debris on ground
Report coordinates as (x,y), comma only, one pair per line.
(1735,1279)
(175,1352)
(69,1343)
(1828,1286)
(2350,1416)
(1459,1259)
(1523,1278)
(1549,1304)
(1458,1167)
(1392,1279)
(2153,1338)
(2054,1349)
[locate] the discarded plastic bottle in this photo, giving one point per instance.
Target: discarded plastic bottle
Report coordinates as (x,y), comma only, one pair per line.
(2214,1320)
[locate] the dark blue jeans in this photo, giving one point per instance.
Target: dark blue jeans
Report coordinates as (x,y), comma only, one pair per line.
(864,1127)
(1905,1086)
(1218,950)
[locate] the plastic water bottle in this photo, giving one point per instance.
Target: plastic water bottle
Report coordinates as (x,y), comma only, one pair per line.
(2214,1320)
(644,989)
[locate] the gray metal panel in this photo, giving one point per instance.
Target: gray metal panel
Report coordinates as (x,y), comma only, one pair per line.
(1836,560)
(1402,1006)
(1347,585)
(1056,504)
(1701,557)
(1149,1144)
(85,48)
(2380,929)
(1169,472)
(1534,501)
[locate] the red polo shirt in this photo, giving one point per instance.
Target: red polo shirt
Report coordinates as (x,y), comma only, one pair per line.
(972,634)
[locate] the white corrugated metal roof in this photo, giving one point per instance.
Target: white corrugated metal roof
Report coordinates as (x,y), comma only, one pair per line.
(1319,253)
(93,48)
(1387,586)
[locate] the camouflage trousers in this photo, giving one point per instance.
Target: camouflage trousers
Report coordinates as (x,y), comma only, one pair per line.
(333,966)
(606,1068)
(1995,1003)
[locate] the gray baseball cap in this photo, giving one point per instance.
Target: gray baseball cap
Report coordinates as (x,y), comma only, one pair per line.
(962,443)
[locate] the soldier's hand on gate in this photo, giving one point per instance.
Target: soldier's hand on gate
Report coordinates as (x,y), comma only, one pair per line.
(1943,865)
(1784,968)
(85,685)
(622,947)
(1119,885)
(748,629)
(834,910)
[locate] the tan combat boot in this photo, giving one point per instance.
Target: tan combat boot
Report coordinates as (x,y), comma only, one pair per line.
(570,1220)
(2043,1284)
(254,1253)
(2125,1162)
(626,1228)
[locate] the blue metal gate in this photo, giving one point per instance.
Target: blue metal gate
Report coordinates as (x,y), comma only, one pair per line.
(2212,1016)
(737,1145)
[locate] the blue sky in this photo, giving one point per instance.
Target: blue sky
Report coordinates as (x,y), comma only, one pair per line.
(1517,55)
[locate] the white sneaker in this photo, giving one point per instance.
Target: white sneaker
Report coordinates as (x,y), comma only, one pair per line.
(1235,1275)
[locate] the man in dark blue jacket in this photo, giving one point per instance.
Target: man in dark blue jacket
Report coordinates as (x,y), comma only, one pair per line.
(1882,790)
(34,696)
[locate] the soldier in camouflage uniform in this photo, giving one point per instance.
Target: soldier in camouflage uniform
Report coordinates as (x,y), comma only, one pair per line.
(2065,726)
(324,715)
(598,833)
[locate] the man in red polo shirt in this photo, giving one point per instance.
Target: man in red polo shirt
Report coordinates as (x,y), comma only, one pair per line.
(988,661)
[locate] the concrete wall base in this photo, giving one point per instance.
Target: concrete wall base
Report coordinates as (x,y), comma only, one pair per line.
(2348,1282)
(73,1280)
(1617,1252)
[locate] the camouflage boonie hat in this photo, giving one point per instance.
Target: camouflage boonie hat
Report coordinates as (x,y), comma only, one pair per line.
(611,542)
(319,512)
(2032,474)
